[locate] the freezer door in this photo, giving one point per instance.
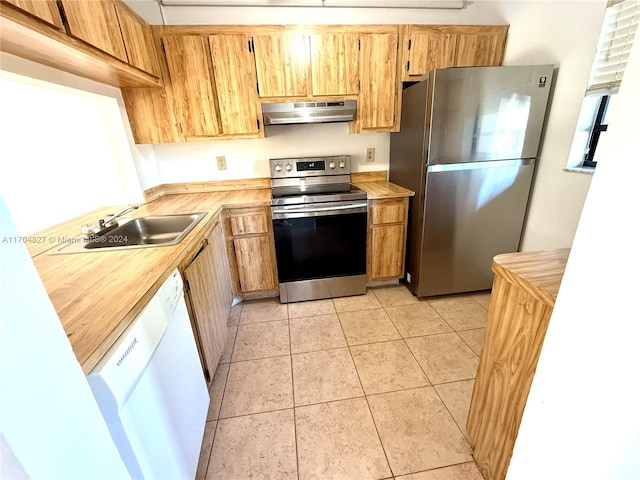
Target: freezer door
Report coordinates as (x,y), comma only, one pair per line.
(472,212)
(488,113)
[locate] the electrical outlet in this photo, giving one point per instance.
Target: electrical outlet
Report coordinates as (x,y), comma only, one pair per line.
(222,163)
(371,155)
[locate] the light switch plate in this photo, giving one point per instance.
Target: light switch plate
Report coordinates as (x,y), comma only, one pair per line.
(222,163)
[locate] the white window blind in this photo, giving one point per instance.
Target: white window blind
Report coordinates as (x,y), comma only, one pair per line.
(616,39)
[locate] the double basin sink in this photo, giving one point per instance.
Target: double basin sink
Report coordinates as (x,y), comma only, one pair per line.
(142,232)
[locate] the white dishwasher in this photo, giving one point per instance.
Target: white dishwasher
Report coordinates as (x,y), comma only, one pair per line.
(151,390)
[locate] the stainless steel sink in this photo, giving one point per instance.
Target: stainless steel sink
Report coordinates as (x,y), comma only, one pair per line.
(143,232)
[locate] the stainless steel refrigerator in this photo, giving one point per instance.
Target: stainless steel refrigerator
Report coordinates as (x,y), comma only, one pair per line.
(468,145)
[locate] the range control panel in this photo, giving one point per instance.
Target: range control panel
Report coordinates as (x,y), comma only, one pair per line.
(309,166)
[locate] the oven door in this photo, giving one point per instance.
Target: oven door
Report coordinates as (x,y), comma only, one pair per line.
(324,240)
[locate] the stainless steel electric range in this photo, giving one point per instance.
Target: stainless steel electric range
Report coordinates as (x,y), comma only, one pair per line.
(320,228)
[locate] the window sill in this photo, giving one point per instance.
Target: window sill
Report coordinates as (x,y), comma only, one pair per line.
(586,170)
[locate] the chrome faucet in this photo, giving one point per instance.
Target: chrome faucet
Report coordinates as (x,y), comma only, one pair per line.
(103,225)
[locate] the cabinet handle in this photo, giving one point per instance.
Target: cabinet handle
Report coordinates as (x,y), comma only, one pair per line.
(204,245)
(408,63)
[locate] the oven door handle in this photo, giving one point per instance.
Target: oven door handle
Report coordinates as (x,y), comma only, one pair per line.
(312,211)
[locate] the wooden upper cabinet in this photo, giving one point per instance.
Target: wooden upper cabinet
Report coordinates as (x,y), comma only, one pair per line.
(283,64)
(236,83)
(430,49)
(482,48)
(190,72)
(334,64)
(95,23)
(46,10)
(378,85)
(441,46)
(138,40)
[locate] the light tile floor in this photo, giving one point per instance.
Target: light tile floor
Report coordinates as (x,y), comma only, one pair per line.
(369,387)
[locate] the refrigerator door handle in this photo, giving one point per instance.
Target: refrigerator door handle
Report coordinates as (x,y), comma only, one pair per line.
(452,167)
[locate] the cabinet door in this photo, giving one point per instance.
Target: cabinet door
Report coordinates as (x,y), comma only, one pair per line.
(46,10)
(283,65)
(138,40)
(387,238)
(387,251)
(222,275)
(255,263)
(212,333)
(430,49)
(481,49)
(236,83)
(378,87)
(188,59)
(334,64)
(97,24)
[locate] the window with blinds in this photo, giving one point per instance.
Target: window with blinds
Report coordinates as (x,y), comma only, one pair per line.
(617,34)
(616,39)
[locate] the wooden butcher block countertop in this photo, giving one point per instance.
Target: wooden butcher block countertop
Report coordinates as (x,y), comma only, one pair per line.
(383,189)
(98,294)
(539,273)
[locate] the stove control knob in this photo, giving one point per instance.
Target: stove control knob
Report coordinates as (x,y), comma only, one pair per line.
(341,164)
(288,167)
(332,165)
(278,167)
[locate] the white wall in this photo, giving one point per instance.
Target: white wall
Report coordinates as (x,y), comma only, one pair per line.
(564,33)
(194,161)
(66,145)
(50,424)
(582,418)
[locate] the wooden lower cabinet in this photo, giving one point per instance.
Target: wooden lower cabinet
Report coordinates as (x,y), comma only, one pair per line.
(386,239)
(251,250)
(524,290)
(209,297)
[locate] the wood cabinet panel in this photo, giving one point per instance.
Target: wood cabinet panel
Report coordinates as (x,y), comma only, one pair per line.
(254,257)
(138,40)
(486,49)
(283,64)
(441,46)
(522,300)
(204,301)
(387,211)
(46,10)
(431,50)
(386,238)
(188,59)
(334,64)
(387,244)
(97,24)
(249,223)
(222,273)
(251,250)
(378,86)
(236,83)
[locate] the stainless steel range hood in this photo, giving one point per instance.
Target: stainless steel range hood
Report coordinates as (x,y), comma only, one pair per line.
(309,112)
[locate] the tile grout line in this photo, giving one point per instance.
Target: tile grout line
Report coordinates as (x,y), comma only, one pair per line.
(293,399)
(386,457)
(433,385)
(224,389)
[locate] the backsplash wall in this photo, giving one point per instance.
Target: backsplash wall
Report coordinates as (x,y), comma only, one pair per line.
(248,158)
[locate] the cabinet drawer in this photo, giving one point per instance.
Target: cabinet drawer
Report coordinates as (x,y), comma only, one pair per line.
(257,222)
(387,211)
